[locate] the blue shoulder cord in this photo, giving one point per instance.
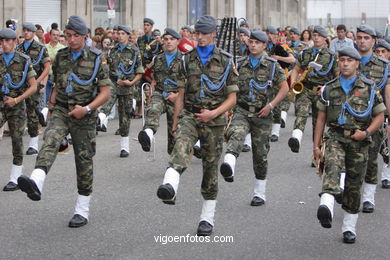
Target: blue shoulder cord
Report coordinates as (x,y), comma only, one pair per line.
(122,69)
(156,48)
(74,78)
(253,84)
(359,114)
(204,80)
(168,84)
(39,57)
(9,83)
(323,73)
(384,79)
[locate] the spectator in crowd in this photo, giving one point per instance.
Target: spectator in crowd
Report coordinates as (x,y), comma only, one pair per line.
(341,40)
(39,33)
(47,35)
(306,37)
(63,40)
(99,31)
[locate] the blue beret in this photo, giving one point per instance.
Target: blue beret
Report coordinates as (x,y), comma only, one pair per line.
(378,33)
(115,27)
(387,38)
(271,29)
(148,20)
(77,24)
(29,26)
(295,30)
(383,44)
(320,30)
(206,24)
(7,34)
(173,33)
(124,28)
(366,29)
(259,35)
(245,31)
(350,52)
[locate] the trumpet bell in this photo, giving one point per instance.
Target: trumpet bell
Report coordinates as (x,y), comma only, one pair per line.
(298,88)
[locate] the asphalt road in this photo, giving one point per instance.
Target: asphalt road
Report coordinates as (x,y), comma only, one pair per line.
(127,218)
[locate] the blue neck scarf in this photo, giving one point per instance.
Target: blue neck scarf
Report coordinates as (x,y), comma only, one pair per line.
(243,49)
(347,84)
(295,44)
(26,45)
(148,37)
(270,46)
(7,57)
(122,47)
(76,55)
(315,50)
(365,59)
(169,57)
(254,61)
(205,52)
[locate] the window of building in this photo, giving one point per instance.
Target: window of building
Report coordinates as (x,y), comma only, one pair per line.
(196,9)
(100,17)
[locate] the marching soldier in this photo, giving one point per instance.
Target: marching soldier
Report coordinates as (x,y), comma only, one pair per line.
(168,77)
(210,92)
(17,79)
(376,69)
(306,101)
(41,63)
(253,113)
(81,86)
(126,70)
(353,111)
(382,49)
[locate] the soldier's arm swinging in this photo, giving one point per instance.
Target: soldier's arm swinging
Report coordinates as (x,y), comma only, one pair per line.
(10,102)
(207,115)
(128,83)
(375,124)
(44,73)
(282,93)
(318,131)
(179,103)
(387,104)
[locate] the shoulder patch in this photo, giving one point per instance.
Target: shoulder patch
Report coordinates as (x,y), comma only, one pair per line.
(367,81)
(271,59)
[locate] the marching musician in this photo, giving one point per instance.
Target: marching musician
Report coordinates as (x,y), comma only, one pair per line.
(353,110)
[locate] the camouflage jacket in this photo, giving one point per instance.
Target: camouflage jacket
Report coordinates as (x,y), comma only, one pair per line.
(214,70)
(16,70)
(175,72)
(261,74)
(375,70)
(83,68)
(326,58)
(147,56)
(34,52)
(297,48)
(127,57)
(240,50)
(358,97)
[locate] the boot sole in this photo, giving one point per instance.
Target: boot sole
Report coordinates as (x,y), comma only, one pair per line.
(144,140)
(324,216)
(164,193)
(226,172)
(293,143)
(27,186)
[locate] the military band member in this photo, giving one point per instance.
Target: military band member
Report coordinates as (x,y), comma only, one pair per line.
(306,101)
(382,49)
(17,81)
(81,86)
(168,77)
(126,70)
(253,113)
(210,92)
(41,63)
(376,69)
(353,111)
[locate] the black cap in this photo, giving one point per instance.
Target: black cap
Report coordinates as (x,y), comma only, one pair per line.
(271,29)
(383,44)
(29,26)
(7,34)
(320,30)
(77,24)
(259,35)
(148,20)
(171,32)
(206,24)
(245,31)
(350,52)
(366,29)
(124,28)
(295,30)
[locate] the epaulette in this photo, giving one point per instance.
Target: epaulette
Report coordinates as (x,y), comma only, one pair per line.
(63,49)
(26,57)
(240,61)
(271,59)
(331,81)
(368,81)
(135,48)
(226,53)
(95,51)
(40,44)
(384,60)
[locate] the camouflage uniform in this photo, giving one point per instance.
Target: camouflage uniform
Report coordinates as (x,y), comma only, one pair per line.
(15,115)
(127,58)
(307,100)
(210,133)
(159,104)
(32,103)
(245,118)
(82,131)
(341,151)
(374,69)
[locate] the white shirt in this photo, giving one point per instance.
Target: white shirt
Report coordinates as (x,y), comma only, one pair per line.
(337,44)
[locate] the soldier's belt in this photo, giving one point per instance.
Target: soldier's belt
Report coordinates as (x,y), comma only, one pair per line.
(342,131)
(192,109)
(70,107)
(251,109)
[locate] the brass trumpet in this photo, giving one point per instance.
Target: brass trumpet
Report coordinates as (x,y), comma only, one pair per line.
(298,87)
(148,47)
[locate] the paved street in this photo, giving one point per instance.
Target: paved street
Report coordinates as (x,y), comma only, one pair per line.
(126,215)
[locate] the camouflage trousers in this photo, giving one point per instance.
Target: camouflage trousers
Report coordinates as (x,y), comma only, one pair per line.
(83,133)
(106,107)
(32,111)
(285,104)
(371,176)
(158,105)
(304,103)
(16,118)
(211,141)
(276,115)
(344,153)
(125,104)
(260,130)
